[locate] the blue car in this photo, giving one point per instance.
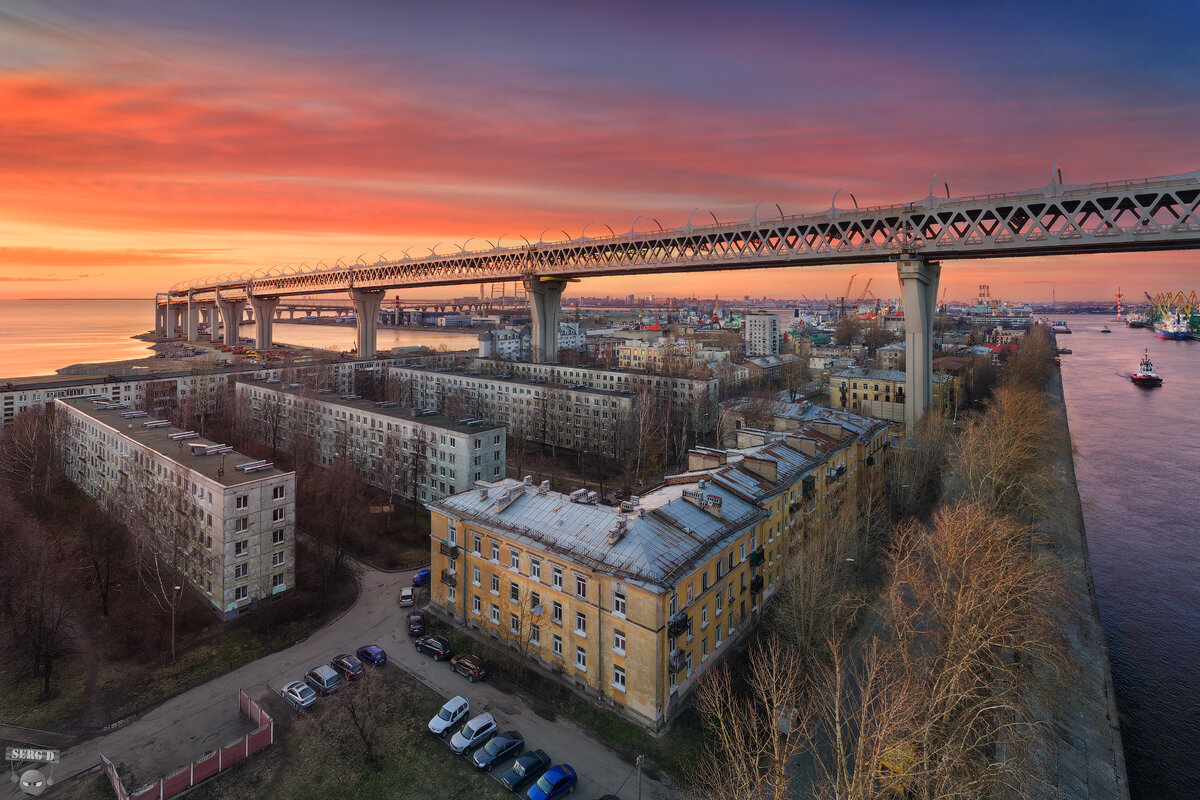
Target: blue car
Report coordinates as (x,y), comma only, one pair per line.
(557,781)
(421,578)
(372,654)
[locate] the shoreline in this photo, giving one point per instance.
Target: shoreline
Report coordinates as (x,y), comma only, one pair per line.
(1091,756)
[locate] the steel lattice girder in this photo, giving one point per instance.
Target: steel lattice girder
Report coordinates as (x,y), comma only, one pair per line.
(1141,215)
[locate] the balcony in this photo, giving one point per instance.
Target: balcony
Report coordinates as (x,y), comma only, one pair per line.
(677,661)
(677,625)
(449,577)
(447,549)
(756,584)
(757,557)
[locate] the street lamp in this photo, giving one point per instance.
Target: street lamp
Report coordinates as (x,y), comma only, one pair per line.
(175,590)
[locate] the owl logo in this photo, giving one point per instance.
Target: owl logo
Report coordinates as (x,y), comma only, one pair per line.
(33,782)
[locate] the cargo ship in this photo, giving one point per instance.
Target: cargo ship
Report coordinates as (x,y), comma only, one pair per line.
(1146,376)
(1173,325)
(1135,321)
(1060,327)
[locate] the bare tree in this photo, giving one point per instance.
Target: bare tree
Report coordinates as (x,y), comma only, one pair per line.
(31,449)
(754,737)
(103,548)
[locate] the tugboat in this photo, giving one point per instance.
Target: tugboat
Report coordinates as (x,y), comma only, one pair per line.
(1146,376)
(1135,321)
(1105,329)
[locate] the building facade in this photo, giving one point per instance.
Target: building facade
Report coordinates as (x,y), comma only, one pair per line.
(215,518)
(574,417)
(406,451)
(762,335)
(880,392)
(634,603)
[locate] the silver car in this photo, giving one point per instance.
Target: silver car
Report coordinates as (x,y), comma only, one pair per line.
(407,597)
(299,694)
(451,713)
(473,734)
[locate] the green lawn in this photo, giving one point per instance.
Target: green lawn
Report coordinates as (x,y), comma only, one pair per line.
(317,753)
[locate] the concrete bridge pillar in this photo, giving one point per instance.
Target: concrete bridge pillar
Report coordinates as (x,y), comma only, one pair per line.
(178,319)
(214,323)
(231,315)
(919,279)
(366,315)
(264,319)
(160,316)
(545,301)
(193,319)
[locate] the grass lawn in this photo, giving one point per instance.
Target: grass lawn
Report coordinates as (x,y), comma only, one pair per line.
(669,753)
(401,543)
(318,753)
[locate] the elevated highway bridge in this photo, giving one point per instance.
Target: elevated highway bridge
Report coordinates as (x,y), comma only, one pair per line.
(1057,219)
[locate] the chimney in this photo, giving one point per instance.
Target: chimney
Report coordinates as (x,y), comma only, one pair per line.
(803,444)
(763,467)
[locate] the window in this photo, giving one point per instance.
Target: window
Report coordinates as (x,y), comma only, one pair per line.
(475,603)
(276,493)
(514,593)
(535,635)
(619,678)
(580,586)
(556,578)
(241,548)
(704,581)
(557,647)
(241,524)
(495,614)
(580,659)
(619,603)
(742,551)
(242,501)
(477,543)
(495,551)
(240,593)
(514,559)
(277,537)
(514,624)
(276,560)
(535,599)
(277,580)
(452,531)
(704,617)
(720,601)
(450,595)
(556,613)
(475,575)
(619,642)
(241,570)
(495,584)
(580,623)
(277,515)
(690,591)
(535,568)
(674,604)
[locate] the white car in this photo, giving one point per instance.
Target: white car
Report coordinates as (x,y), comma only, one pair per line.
(299,694)
(407,597)
(453,712)
(473,734)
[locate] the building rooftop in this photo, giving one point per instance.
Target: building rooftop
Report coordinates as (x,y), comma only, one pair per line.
(394,411)
(218,467)
(667,534)
(452,373)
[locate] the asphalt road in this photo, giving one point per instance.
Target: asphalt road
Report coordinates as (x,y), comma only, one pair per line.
(197,721)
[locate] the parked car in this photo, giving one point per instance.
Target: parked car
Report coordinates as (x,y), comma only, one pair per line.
(473,734)
(555,782)
(372,654)
(469,666)
(500,747)
(422,577)
(324,680)
(416,624)
(348,666)
(435,646)
(526,768)
(299,694)
(451,713)
(407,597)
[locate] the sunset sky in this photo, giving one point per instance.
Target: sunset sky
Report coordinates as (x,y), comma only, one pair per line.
(144,143)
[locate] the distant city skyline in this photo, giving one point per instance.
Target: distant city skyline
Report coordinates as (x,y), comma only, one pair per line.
(146,143)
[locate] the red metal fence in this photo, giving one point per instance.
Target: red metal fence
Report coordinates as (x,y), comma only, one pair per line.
(206,766)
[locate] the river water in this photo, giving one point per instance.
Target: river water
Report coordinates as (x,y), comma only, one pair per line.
(1137,458)
(39,336)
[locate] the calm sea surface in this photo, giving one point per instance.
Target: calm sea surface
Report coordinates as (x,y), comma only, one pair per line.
(39,336)
(1137,457)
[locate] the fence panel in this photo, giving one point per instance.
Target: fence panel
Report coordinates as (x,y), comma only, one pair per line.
(233,753)
(205,767)
(177,783)
(260,738)
(151,792)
